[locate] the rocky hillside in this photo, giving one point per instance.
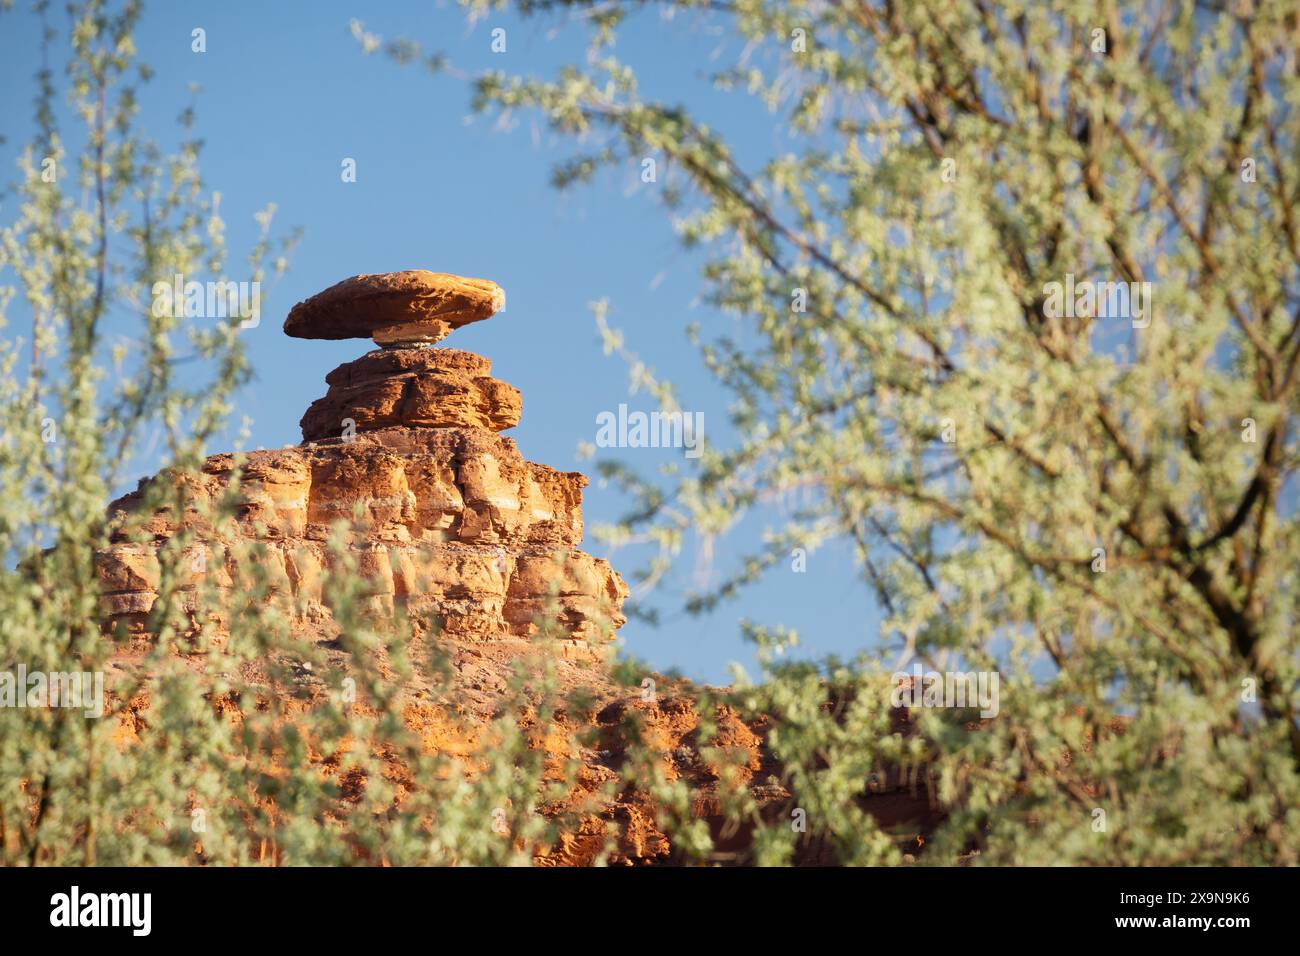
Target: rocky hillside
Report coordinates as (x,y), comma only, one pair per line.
(452,525)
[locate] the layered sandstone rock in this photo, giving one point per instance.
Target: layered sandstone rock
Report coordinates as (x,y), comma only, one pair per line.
(452,521)
(415,388)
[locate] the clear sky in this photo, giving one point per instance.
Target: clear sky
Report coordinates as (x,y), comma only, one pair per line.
(287,95)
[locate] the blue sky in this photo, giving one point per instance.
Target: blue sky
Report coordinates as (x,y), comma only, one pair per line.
(287,94)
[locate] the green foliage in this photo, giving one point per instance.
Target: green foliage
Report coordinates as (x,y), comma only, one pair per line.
(942,164)
(228,737)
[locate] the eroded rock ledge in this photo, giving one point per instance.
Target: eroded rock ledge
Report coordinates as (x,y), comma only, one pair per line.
(413,388)
(452,520)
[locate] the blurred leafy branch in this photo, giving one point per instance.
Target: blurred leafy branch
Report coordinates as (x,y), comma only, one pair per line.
(1104,512)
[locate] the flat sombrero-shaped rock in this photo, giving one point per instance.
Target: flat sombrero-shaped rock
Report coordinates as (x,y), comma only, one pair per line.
(395,308)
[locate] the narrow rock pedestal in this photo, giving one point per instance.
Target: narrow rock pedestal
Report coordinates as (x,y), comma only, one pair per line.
(412,388)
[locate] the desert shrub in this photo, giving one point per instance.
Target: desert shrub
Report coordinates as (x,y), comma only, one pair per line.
(228,735)
(1014,290)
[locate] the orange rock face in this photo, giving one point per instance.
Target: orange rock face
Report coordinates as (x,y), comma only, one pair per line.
(455,521)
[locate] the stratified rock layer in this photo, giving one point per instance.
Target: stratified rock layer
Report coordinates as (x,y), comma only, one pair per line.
(451,520)
(415,388)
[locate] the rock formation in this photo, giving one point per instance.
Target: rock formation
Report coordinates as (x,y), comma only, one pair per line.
(455,521)
(414,388)
(453,524)
(396,308)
